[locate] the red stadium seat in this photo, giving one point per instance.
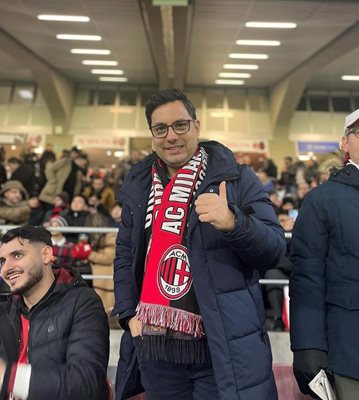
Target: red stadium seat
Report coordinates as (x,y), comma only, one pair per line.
(286,383)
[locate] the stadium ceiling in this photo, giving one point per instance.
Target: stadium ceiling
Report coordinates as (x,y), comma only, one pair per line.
(158,43)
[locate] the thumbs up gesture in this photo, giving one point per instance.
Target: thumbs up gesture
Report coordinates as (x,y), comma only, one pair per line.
(213,208)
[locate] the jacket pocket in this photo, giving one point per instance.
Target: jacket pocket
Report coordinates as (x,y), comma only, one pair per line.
(345,297)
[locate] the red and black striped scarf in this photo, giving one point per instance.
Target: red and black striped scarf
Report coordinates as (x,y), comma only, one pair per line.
(167,298)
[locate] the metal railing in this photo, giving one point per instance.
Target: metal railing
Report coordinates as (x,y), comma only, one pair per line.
(85,229)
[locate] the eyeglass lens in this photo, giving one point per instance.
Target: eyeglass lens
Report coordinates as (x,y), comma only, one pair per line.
(179,127)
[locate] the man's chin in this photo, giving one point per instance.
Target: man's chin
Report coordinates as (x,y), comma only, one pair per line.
(22,289)
(17,290)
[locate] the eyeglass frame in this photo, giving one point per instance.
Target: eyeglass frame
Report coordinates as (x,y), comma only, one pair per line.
(171,126)
(354,129)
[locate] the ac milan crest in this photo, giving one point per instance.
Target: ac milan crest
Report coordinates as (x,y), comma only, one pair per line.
(174,277)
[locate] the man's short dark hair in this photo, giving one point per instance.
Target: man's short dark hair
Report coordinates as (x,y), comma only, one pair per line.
(167,96)
(34,234)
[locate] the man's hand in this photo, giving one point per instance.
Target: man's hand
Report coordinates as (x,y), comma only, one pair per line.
(213,208)
(135,326)
(306,365)
(2,371)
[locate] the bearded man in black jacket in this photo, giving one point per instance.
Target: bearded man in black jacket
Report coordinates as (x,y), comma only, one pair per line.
(54,338)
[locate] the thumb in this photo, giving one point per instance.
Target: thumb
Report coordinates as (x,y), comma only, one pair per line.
(223,191)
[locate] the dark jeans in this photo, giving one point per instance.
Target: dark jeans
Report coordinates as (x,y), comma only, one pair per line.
(163,380)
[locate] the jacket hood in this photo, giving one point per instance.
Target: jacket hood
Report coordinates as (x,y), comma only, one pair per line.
(14,185)
(66,276)
(349,175)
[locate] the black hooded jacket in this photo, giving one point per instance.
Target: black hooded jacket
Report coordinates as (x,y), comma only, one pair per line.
(68,343)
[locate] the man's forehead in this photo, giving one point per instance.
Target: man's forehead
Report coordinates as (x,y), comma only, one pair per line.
(170,112)
(15,244)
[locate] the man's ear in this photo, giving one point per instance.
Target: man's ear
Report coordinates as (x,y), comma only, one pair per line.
(344,144)
(197,126)
(47,254)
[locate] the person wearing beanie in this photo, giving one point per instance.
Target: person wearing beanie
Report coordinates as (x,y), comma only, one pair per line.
(324,284)
(14,207)
(61,246)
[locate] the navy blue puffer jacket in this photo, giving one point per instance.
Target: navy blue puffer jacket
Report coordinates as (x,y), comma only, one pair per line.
(225,268)
(324,286)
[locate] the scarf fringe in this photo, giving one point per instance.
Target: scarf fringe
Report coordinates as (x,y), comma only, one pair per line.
(162,348)
(172,318)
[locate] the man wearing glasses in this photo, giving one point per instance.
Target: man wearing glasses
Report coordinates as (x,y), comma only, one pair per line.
(324,286)
(196,229)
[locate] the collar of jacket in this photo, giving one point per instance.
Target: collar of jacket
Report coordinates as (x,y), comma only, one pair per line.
(349,175)
(65,280)
(221,166)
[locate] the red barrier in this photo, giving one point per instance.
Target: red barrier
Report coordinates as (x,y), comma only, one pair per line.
(286,383)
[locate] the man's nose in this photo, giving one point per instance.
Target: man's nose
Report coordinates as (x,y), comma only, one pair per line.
(172,135)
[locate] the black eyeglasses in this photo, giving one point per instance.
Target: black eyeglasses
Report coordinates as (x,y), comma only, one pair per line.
(354,130)
(181,127)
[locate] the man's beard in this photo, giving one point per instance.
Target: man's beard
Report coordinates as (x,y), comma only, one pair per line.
(34,276)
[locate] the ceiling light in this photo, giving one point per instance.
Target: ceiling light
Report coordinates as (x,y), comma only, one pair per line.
(274,25)
(258,42)
(72,18)
(249,56)
(107,71)
(234,75)
(99,62)
(350,77)
(229,82)
(91,51)
(240,66)
(26,94)
(113,79)
(65,36)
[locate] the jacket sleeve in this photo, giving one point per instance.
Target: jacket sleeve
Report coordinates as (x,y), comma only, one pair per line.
(257,237)
(125,301)
(15,215)
(83,375)
(52,170)
(307,283)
